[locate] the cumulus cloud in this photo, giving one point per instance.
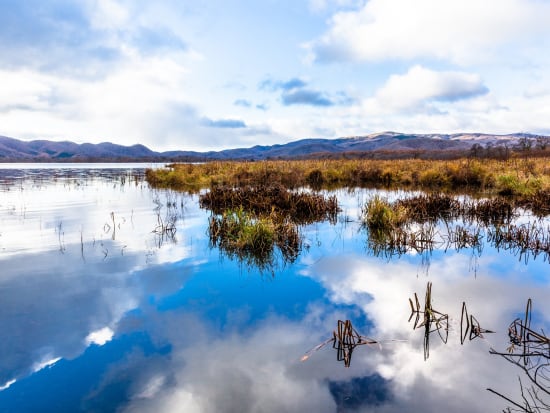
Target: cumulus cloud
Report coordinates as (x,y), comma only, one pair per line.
(459,32)
(104,69)
(87,39)
(420,86)
(123,105)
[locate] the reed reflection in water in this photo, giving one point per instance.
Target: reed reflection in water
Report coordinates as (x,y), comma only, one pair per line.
(169,326)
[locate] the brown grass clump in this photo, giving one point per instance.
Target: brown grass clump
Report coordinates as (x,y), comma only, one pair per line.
(299,207)
(250,222)
(489,211)
(429,207)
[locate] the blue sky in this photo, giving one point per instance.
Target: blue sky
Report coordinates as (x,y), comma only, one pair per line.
(177,74)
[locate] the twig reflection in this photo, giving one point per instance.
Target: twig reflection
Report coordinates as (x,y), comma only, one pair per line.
(344,339)
(432,320)
(530,351)
(469,326)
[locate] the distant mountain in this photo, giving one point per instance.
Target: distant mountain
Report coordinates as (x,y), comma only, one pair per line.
(385,142)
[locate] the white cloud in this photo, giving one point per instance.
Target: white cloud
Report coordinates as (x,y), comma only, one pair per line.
(108,14)
(457,31)
(420,86)
(47,362)
(23,89)
(100,337)
(126,106)
(7,385)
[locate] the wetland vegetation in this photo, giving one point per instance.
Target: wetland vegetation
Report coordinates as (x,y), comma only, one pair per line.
(518,176)
(144,266)
(472,197)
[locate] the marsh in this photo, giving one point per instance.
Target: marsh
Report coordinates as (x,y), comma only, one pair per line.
(113,298)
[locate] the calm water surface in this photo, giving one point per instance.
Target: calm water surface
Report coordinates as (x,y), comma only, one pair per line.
(101,311)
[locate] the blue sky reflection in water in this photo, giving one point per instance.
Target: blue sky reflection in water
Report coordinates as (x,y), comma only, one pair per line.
(99,313)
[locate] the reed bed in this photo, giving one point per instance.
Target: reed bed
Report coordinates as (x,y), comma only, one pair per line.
(492,211)
(272,200)
(410,225)
(429,207)
(274,190)
(249,222)
(521,239)
(378,213)
(253,239)
(514,176)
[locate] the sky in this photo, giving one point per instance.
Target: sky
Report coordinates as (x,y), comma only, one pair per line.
(218,74)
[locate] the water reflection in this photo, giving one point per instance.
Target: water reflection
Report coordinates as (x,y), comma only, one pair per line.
(432,320)
(382,286)
(344,340)
(168,326)
(470,326)
(530,351)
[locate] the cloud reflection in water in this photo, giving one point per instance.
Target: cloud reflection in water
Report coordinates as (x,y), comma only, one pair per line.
(182,330)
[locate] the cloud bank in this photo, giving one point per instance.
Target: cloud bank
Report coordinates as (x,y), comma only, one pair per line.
(459,32)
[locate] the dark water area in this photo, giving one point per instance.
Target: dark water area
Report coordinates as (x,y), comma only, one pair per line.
(102,309)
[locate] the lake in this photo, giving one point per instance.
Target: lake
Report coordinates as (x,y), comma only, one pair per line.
(112,298)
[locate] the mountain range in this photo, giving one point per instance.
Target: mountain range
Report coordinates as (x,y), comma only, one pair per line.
(379,143)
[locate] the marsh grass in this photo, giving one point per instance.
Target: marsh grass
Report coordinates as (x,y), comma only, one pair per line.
(274,190)
(514,176)
(524,240)
(429,207)
(407,225)
(249,222)
(273,201)
(252,239)
(381,216)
